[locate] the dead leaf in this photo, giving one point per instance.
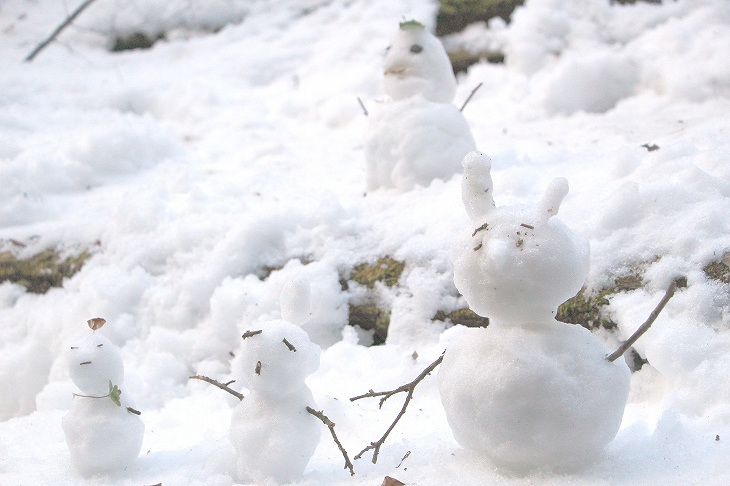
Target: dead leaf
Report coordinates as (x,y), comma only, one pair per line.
(96,323)
(388,481)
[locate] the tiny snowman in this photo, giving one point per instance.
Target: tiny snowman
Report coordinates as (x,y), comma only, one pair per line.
(528,391)
(272,431)
(418,135)
(103,431)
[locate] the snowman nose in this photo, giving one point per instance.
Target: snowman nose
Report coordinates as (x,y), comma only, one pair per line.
(396,70)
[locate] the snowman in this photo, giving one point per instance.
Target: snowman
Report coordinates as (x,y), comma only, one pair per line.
(528,391)
(103,431)
(272,431)
(418,135)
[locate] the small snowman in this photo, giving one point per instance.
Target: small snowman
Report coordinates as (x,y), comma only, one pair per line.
(418,135)
(272,431)
(528,391)
(103,431)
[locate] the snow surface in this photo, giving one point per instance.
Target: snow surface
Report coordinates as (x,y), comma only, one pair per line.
(207,172)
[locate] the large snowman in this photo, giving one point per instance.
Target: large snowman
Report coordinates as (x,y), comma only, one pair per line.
(103,430)
(417,135)
(528,391)
(272,431)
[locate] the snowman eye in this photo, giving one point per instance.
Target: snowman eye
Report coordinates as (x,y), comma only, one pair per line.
(290,346)
(100,345)
(258,368)
(74,347)
(415,48)
(85,363)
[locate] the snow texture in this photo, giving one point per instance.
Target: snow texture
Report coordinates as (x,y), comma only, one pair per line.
(205,173)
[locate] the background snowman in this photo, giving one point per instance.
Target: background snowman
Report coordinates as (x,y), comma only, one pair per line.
(103,430)
(417,135)
(528,391)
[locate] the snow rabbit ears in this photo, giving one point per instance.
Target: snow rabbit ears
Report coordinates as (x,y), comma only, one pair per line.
(477,188)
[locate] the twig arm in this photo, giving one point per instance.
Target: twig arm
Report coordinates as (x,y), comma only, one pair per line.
(222,386)
(58,30)
(470,96)
(680,282)
(410,388)
(331,425)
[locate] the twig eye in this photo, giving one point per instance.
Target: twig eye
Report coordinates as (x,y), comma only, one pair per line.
(290,346)
(416,49)
(74,347)
(258,368)
(100,345)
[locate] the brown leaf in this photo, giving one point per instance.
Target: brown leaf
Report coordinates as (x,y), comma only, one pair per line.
(388,481)
(96,323)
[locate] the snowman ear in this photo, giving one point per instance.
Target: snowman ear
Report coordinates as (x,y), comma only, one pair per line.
(476,186)
(554,195)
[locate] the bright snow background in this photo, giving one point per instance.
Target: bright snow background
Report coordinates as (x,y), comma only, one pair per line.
(193,167)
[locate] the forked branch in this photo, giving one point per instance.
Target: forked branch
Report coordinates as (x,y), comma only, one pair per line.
(222,386)
(331,425)
(58,30)
(409,388)
(679,282)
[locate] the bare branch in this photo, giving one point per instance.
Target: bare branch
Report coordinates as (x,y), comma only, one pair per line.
(680,282)
(58,30)
(470,96)
(331,425)
(362,105)
(222,386)
(408,387)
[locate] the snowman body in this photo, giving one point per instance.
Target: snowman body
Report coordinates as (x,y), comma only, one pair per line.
(418,135)
(273,433)
(528,391)
(101,435)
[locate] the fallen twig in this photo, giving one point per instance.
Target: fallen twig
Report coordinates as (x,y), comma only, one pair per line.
(469,98)
(222,386)
(331,425)
(679,282)
(58,30)
(408,387)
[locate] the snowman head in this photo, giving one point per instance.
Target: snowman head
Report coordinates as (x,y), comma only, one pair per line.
(93,361)
(277,357)
(520,263)
(416,64)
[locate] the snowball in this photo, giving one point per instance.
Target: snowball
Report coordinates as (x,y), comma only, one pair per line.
(414,141)
(417,64)
(532,397)
(519,264)
(93,361)
(272,431)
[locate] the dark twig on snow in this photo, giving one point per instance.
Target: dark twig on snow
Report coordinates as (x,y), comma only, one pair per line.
(679,282)
(248,334)
(408,387)
(469,98)
(331,425)
(362,105)
(58,30)
(222,386)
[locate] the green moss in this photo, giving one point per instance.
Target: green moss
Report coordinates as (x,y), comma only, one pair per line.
(386,270)
(465,317)
(371,318)
(454,15)
(461,60)
(586,310)
(718,271)
(41,271)
(137,40)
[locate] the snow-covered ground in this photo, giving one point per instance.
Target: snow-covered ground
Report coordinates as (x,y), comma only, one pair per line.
(207,172)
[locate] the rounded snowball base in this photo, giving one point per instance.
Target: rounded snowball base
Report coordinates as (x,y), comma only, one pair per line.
(533,397)
(101,436)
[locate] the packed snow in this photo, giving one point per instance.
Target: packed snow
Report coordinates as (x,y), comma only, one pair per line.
(527,391)
(207,173)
